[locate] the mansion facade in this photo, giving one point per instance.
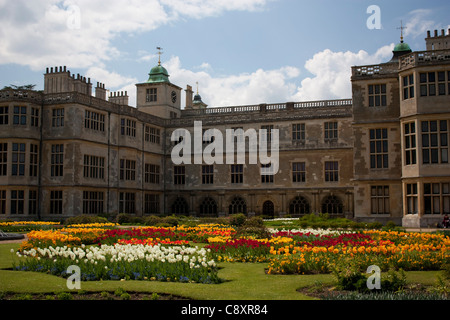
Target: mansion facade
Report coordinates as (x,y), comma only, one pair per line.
(380,156)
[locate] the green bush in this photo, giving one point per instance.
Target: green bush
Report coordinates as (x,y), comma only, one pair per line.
(85,219)
(253,227)
(172,221)
(237,219)
(123,218)
(152,220)
(64,296)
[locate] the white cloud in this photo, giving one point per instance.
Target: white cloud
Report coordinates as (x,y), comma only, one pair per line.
(419,23)
(79,33)
(260,86)
(112,79)
(331,80)
(332,72)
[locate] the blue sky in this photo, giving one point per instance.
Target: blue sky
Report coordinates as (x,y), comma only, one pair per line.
(240,51)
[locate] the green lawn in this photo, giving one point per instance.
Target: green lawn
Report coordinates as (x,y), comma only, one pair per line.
(244,281)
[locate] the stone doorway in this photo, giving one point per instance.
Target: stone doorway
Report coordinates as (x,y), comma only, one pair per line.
(268,209)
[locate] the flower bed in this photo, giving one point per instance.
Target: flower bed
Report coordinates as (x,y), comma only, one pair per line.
(25,226)
(407,251)
(124,261)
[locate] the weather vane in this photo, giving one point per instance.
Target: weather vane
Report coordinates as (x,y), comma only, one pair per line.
(401,30)
(159,53)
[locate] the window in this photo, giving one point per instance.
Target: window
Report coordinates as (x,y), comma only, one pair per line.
(178,137)
(237,173)
(266,133)
(56,202)
(433,83)
(411,198)
(151,203)
(127,202)
(94,167)
(17,201)
(92,202)
(379,197)
(207,136)
(32,202)
(437,198)
(4,115)
(208,207)
(207,174)
(94,121)
(410,143)
(33,160)
(180,206)
(151,95)
(34,119)
(58,117)
(299,205)
(298,172)
(238,133)
(3,159)
(179,175)
(377,95)
(266,173)
(408,87)
(20,115)
(434,141)
(2,201)
(152,135)
(57,160)
(298,132)
(331,171)
(332,205)
(378,148)
(237,205)
(331,131)
(127,169)
(128,127)
(151,173)
(18,159)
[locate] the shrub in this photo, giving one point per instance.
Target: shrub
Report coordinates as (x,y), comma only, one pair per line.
(237,219)
(152,220)
(393,280)
(171,221)
(253,227)
(123,218)
(85,219)
(349,277)
(64,296)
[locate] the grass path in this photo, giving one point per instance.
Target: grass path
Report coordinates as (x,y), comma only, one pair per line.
(244,281)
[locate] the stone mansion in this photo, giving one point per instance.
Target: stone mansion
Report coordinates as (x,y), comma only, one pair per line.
(381,155)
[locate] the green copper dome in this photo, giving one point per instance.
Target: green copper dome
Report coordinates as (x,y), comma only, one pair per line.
(158,74)
(402,47)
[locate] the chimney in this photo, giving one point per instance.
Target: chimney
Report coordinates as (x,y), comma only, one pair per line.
(189,99)
(100,91)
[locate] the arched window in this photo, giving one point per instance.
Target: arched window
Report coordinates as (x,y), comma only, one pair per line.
(180,206)
(299,205)
(208,207)
(332,205)
(268,208)
(238,205)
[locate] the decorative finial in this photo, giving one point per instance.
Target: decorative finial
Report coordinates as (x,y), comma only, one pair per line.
(159,53)
(401,30)
(197,86)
